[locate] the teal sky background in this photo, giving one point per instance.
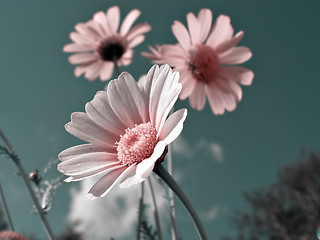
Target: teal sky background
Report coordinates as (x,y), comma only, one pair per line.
(278,116)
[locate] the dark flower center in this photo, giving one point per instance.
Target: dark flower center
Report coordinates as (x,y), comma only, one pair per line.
(204,63)
(110,51)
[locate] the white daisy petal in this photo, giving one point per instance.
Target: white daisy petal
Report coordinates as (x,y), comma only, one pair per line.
(124,142)
(108,181)
(84,128)
(100,111)
(144,169)
(173,126)
(81,149)
(86,162)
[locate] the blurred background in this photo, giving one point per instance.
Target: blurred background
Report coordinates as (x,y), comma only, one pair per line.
(216,159)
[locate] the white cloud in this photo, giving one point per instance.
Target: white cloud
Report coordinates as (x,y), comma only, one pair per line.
(182,148)
(114,215)
(211,213)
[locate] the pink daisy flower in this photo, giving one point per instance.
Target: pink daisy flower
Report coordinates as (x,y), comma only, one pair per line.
(98,44)
(9,235)
(203,57)
(127,131)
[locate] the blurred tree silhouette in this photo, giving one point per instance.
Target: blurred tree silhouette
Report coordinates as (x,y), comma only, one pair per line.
(287,210)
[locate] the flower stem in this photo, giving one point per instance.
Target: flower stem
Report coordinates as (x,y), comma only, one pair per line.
(156,214)
(116,66)
(23,173)
(174,226)
(140,211)
(167,178)
(6,209)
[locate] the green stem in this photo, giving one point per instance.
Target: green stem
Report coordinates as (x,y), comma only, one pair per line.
(24,175)
(116,66)
(174,225)
(167,178)
(156,214)
(140,211)
(6,209)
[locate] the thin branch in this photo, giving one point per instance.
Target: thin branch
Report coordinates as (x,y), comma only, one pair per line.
(6,209)
(173,218)
(140,211)
(24,175)
(156,214)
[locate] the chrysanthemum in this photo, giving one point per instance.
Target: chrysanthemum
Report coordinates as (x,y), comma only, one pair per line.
(9,235)
(202,58)
(98,44)
(127,130)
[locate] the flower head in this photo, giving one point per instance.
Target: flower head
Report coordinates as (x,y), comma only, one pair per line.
(98,43)
(127,130)
(9,235)
(202,58)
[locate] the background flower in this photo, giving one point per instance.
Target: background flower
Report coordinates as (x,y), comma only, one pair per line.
(201,58)
(127,131)
(98,44)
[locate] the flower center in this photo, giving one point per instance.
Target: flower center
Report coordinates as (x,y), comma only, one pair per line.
(137,144)
(204,63)
(111,49)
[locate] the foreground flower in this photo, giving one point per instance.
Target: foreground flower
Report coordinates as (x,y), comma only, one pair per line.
(127,130)
(201,58)
(99,44)
(9,235)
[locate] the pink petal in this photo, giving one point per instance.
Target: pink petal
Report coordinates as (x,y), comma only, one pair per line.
(136,41)
(194,28)
(73,47)
(126,101)
(227,45)
(228,99)
(188,84)
(128,21)
(81,39)
(171,50)
(93,71)
(231,87)
(214,98)
(84,128)
(82,58)
(197,98)
(101,18)
(106,71)
(100,111)
(137,30)
(241,75)
(108,181)
(86,29)
(97,27)
(87,162)
(113,18)
(182,35)
(221,31)
(126,58)
(80,149)
(144,168)
(173,126)
(205,21)
(91,173)
(235,55)
(83,68)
